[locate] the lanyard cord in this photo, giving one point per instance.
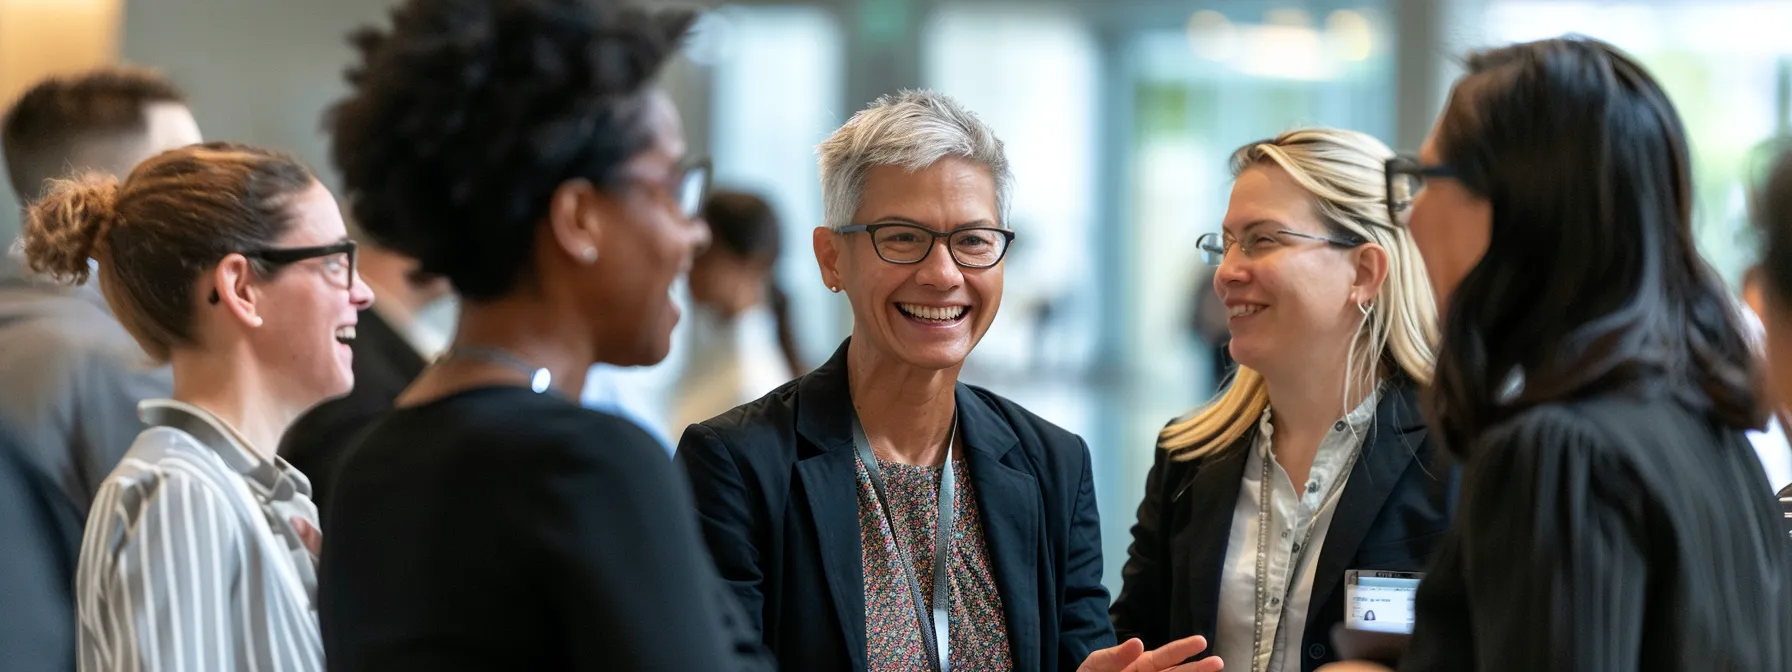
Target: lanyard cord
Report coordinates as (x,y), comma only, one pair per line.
(935,628)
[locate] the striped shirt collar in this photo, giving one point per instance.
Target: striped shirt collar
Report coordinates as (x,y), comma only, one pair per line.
(275,479)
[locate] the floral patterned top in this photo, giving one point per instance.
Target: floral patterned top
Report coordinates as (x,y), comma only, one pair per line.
(979,625)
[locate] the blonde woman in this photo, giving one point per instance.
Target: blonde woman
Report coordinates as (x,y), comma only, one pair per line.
(1314,461)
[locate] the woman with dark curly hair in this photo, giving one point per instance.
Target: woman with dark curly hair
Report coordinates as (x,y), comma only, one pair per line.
(521,150)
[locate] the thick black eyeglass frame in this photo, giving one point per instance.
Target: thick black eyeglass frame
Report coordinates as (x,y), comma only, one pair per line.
(282,256)
(1407,164)
(872,229)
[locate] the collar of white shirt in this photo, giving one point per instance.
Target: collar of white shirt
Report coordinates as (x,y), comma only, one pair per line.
(275,479)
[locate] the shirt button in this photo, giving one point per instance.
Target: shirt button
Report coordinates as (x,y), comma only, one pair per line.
(1339,426)
(1316,651)
(1275,601)
(1297,548)
(1284,534)
(1312,486)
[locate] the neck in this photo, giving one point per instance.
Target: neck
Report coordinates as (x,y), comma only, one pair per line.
(237,394)
(1306,401)
(523,326)
(906,411)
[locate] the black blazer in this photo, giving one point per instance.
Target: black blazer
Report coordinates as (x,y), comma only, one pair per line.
(777,493)
(1392,515)
(385,363)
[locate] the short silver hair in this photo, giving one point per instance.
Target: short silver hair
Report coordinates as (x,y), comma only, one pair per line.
(911,129)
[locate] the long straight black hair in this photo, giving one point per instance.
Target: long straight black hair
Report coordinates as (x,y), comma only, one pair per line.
(1591,283)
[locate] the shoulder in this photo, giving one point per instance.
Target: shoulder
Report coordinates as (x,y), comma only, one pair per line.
(549,429)
(1050,448)
(1608,425)
(767,421)
(166,465)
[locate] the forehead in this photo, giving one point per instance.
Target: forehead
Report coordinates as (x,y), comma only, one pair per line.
(953,192)
(1265,195)
(664,125)
(317,219)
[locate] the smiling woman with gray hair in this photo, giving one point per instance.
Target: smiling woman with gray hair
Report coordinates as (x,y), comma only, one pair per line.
(832,503)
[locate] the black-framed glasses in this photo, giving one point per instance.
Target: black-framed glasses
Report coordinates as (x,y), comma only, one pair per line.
(970,247)
(1255,244)
(1405,178)
(338,265)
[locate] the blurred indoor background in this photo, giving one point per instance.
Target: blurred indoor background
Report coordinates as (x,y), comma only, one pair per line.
(1118,116)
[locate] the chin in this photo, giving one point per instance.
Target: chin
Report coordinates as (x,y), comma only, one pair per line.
(933,358)
(1246,353)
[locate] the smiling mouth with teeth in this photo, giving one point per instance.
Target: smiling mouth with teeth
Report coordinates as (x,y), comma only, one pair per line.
(1241,311)
(345,334)
(932,313)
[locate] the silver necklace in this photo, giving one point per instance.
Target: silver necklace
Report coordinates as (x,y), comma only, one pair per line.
(540,379)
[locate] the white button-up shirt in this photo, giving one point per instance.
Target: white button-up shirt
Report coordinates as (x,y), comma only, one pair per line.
(190,560)
(1287,560)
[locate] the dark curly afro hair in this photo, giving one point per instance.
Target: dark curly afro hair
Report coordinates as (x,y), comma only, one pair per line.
(465,117)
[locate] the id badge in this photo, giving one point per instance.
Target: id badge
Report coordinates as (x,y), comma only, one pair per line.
(1380,601)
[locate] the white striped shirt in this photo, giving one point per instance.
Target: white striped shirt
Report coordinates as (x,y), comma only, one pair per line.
(190,560)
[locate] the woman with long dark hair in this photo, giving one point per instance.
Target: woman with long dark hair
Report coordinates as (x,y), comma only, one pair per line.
(1594,380)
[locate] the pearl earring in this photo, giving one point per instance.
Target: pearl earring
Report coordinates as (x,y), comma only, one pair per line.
(588,256)
(833,289)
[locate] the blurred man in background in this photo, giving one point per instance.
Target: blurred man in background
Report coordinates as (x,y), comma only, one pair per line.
(73,375)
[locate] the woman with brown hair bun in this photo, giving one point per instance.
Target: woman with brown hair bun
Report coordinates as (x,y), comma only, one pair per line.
(230,263)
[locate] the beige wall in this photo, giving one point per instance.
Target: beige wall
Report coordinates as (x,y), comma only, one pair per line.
(39,38)
(256,71)
(44,37)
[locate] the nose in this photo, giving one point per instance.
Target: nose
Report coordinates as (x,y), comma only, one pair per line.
(1234,269)
(939,270)
(359,294)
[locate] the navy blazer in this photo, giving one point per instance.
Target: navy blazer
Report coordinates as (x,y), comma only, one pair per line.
(777,495)
(1392,516)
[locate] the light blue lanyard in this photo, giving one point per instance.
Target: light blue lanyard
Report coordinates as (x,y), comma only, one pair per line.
(935,629)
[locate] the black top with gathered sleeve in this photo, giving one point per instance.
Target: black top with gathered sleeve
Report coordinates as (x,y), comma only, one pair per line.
(1618,533)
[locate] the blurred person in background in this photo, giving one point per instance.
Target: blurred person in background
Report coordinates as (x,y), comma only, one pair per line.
(1207,316)
(392,346)
(1770,443)
(1772,281)
(1594,380)
(876,514)
(231,264)
(741,342)
(73,374)
(488,521)
(1315,460)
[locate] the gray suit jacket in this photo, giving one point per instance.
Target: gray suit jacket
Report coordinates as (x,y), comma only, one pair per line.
(70,380)
(73,377)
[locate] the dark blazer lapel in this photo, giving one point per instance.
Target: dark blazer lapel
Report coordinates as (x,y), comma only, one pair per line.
(828,470)
(1210,495)
(1009,503)
(1398,431)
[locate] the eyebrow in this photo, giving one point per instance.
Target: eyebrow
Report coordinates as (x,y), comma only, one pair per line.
(894,219)
(1252,226)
